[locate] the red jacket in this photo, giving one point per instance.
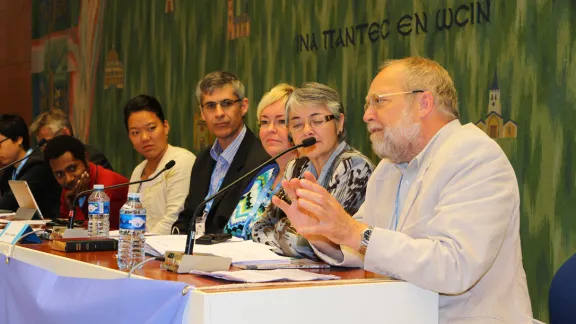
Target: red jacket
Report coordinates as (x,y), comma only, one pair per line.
(118,196)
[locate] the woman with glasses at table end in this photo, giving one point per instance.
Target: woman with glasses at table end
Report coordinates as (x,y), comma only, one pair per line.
(14,146)
(273,134)
(164,196)
(315,110)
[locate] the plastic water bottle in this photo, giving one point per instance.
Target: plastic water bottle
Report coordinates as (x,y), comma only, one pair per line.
(132,229)
(98,212)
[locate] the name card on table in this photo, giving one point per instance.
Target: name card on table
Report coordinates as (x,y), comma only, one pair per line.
(14,230)
(61,232)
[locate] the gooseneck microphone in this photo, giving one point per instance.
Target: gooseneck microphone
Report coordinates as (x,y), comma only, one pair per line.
(192,225)
(39,145)
(168,166)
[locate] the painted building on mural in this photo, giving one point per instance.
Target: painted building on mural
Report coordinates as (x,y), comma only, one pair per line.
(201,135)
(114,71)
(494,124)
(238,26)
(169,6)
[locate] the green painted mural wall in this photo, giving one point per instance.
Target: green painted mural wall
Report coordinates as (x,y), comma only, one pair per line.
(529,45)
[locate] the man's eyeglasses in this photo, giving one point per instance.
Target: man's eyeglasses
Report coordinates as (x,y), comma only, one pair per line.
(314,122)
(378,100)
(224,104)
(4,140)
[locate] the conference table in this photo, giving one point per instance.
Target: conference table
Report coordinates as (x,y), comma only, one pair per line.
(358,297)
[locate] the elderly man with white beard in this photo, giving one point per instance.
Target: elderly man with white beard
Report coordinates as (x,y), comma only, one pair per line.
(441,209)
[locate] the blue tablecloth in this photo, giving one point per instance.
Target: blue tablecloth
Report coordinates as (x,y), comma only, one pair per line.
(29,294)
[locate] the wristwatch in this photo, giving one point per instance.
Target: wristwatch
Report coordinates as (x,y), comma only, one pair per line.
(365,236)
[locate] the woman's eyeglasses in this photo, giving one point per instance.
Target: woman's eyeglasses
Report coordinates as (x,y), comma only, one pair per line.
(314,122)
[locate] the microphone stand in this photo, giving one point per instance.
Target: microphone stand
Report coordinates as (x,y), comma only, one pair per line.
(192,226)
(168,166)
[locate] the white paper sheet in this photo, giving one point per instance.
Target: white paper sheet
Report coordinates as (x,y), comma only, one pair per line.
(240,251)
(31,222)
(254,276)
(115,234)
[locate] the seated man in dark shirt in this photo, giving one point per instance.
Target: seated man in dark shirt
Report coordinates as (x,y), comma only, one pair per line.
(15,145)
(67,159)
(235,152)
(54,122)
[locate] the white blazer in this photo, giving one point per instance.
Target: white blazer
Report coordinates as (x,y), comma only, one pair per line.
(164,196)
(458,230)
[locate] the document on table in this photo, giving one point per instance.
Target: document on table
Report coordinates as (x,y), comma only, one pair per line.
(159,244)
(239,250)
(116,233)
(29,222)
(254,276)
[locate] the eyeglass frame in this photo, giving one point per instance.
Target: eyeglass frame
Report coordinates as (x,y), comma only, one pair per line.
(276,124)
(326,119)
(385,95)
(4,140)
(219,103)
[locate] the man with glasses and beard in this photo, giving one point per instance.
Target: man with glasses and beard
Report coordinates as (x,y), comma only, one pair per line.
(235,152)
(441,209)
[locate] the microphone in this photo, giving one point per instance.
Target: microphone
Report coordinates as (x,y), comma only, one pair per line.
(39,145)
(168,166)
(192,227)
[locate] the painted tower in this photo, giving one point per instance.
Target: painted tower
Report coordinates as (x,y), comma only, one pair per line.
(494,104)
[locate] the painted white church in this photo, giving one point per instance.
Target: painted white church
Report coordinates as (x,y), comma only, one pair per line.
(493,124)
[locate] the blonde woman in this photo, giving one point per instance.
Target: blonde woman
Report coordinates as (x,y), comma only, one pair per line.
(273,134)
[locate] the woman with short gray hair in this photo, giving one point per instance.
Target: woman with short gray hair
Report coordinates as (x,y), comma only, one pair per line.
(315,110)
